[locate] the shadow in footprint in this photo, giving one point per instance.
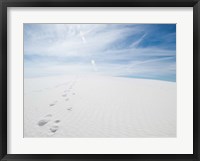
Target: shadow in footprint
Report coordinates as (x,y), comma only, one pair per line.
(54,128)
(42,122)
(53,104)
(69,108)
(57,121)
(45,120)
(64,95)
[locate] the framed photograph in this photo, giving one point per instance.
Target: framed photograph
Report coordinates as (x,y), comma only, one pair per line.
(100,80)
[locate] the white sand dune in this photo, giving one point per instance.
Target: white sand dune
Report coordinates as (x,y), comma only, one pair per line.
(99,106)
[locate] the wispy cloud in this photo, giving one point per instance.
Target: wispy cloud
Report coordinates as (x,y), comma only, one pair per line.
(130,50)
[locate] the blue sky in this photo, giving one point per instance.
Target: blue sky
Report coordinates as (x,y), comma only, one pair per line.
(125,50)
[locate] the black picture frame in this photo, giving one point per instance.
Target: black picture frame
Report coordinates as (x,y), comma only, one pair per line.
(4,4)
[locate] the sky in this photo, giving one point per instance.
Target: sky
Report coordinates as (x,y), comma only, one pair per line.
(145,51)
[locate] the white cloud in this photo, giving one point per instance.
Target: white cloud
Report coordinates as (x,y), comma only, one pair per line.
(88,48)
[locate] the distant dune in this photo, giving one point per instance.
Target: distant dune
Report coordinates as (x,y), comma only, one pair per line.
(99,106)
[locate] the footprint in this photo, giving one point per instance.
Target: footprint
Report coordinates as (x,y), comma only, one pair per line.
(57,121)
(73,93)
(67,99)
(53,104)
(64,95)
(45,120)
(54,128)
(69,108)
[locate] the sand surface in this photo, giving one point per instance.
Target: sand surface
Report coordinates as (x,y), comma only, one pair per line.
(99,106)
